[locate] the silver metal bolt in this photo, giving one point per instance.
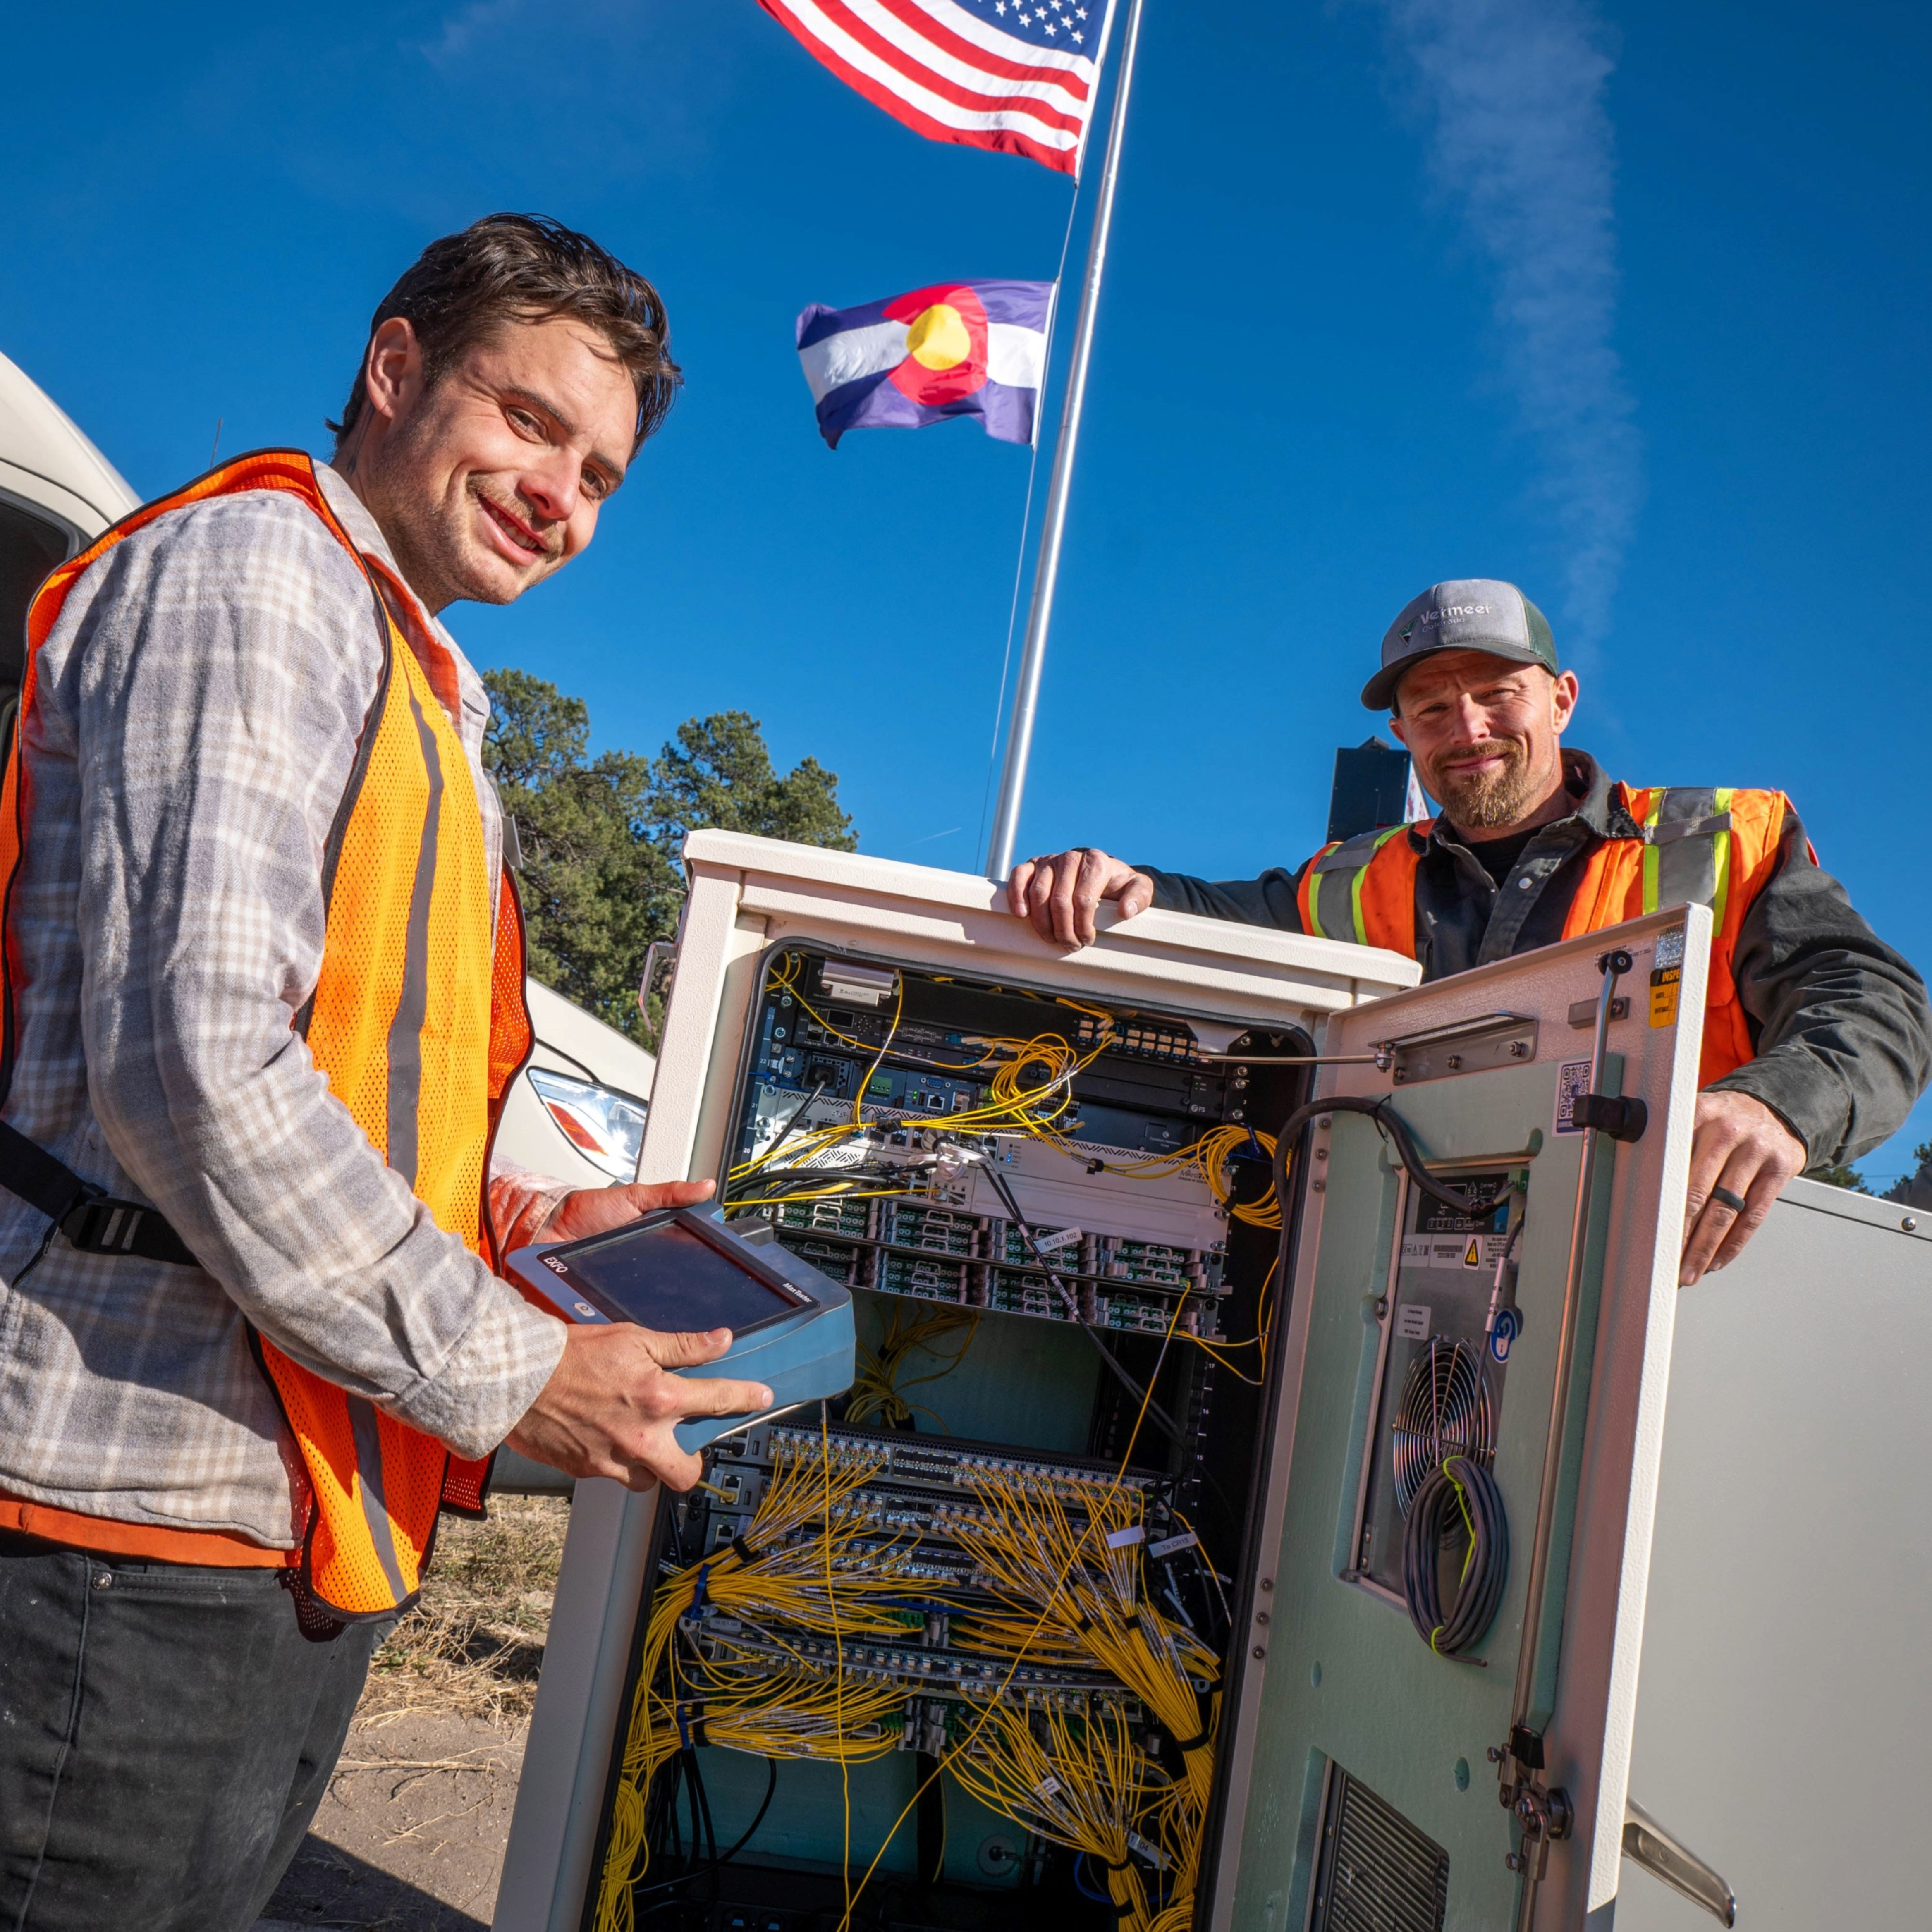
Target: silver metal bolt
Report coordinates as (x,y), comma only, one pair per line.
(1326,1120)
(1268,1582)
(1519,1048)
(1319,1185)
(1909,1224)
(1260,1653)
(1261,1616)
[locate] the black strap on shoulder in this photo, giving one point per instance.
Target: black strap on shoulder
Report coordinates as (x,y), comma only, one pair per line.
(93,1220)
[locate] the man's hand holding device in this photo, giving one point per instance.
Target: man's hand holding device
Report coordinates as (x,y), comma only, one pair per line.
(632,1399)
(609,1408)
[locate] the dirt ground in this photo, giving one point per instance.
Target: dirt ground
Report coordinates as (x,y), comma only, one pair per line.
(411,1835)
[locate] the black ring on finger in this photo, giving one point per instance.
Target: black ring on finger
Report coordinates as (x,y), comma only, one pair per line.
(1734,1202)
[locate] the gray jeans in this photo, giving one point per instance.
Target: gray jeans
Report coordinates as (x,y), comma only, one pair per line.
(167,1732)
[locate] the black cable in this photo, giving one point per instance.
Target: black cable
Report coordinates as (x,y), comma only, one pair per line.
(694,1783)
(1166,1423)
(1381,1111)
(710,1830)
(778,1139)
(749,1832)
(1458,1494)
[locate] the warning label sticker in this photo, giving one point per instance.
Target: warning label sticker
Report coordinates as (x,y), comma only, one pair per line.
(1411,1321)
(1467,1252)
(1663,985)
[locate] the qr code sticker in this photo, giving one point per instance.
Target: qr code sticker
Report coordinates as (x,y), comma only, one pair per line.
(1573,1078)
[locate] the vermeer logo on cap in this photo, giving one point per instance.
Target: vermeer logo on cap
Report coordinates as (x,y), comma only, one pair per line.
(1429,619)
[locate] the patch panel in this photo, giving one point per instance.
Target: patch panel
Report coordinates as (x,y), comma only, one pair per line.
(925,1462)
(929,1253)
(963,1674)
(825,1217)
(923,1278)
(907,1224)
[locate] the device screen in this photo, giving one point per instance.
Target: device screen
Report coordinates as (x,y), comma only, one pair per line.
(669,1279)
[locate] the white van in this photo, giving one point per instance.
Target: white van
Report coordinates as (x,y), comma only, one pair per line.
(577,1111)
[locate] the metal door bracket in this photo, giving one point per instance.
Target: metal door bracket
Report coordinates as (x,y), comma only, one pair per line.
(1463,1046)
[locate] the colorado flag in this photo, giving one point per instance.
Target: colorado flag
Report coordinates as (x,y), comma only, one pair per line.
(956,349)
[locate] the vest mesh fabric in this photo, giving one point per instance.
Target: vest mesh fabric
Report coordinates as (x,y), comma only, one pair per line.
(1716,846)
(418,1023)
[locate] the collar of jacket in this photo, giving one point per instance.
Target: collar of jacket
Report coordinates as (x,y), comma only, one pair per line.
(1599,813)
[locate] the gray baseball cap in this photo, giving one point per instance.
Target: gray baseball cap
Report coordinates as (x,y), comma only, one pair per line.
(1468,614)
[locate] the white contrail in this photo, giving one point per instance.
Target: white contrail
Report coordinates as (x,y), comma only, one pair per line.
(1514,89)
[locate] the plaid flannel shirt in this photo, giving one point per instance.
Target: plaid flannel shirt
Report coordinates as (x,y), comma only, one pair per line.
(196,713)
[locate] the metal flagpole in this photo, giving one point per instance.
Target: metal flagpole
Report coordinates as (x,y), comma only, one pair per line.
(1046,572)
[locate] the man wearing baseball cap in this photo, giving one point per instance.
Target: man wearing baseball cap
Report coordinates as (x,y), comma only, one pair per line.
(1817,1037)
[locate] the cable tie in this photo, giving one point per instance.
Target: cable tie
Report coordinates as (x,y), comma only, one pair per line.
(740,1549)
(1194,1743)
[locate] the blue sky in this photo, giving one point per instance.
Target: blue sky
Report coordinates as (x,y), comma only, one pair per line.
(1628,305)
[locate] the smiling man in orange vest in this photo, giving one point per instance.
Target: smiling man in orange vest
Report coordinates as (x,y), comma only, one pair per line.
(261,996)
(1817,1037)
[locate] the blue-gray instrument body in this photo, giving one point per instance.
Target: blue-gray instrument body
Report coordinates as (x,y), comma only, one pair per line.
(684,1269)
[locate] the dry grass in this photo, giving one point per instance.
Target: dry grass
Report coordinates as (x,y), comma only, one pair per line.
(474,1642)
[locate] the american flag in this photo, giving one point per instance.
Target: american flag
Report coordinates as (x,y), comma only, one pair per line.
(1017,75)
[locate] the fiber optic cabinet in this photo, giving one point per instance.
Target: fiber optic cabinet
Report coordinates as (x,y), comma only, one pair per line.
(1384,1409)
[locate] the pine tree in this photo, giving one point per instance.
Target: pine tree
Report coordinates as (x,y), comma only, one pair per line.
(601,878)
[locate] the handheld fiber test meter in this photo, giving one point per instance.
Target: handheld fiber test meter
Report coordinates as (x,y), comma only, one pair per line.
(683,1270)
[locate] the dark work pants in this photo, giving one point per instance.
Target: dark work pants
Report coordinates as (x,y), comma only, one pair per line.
(166,1735)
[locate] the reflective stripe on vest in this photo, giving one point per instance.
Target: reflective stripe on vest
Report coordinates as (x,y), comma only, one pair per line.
(1332,907)
(417,1020)
(1712,847)
(1685,860)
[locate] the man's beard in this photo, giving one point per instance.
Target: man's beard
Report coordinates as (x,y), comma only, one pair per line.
(1489,799)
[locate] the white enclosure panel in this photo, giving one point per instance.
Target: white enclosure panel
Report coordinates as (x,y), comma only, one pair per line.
(747,895)
(1785,1698)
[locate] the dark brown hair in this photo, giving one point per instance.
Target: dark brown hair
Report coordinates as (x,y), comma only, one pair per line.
(527,268)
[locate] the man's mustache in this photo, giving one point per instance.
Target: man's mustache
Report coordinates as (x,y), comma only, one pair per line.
(1451,764)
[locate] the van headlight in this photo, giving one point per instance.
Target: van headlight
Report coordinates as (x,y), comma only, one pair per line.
(605,1127)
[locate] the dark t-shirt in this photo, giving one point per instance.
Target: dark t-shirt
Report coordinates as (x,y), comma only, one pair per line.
(1498,856)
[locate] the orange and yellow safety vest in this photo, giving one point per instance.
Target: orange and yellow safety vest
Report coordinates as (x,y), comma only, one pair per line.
(1718,847)
(418,1020)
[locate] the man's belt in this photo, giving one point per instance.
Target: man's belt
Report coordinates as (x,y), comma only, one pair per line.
(92,1218)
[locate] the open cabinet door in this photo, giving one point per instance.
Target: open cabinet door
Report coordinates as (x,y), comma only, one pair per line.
(1493,1357)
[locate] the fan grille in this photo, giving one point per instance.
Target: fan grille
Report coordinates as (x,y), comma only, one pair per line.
(1445,1410)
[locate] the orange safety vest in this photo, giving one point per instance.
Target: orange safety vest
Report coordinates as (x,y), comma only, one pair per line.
(1717,847)
(418,1020)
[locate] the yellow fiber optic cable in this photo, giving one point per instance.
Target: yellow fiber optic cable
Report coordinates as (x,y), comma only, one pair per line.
(955,1752)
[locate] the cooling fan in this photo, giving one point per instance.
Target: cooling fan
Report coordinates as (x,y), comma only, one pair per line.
(1445,1410)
